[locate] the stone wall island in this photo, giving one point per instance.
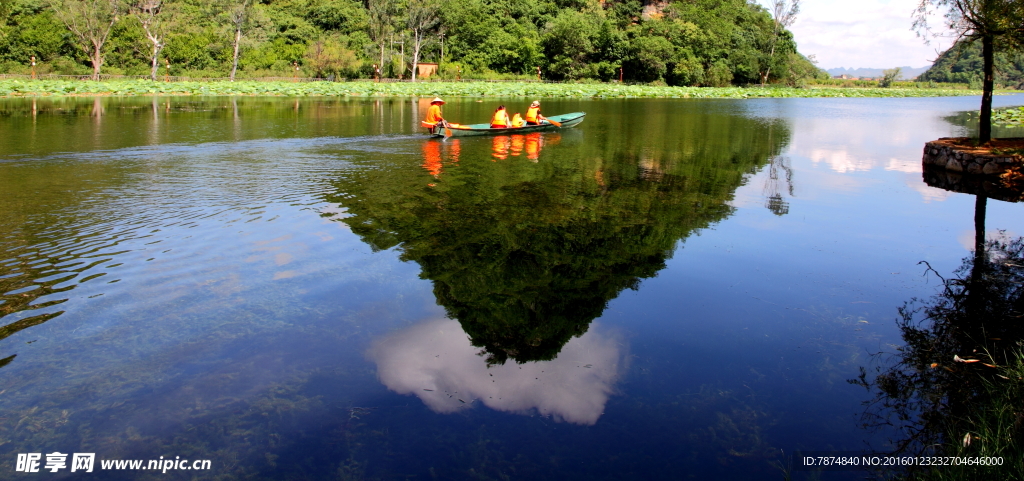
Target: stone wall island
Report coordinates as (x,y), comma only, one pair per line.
(961,154)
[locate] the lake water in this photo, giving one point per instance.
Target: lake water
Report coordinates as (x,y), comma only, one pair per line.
(312,289)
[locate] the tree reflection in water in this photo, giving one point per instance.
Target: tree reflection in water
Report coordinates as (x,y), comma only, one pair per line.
(949,381)
(526,254)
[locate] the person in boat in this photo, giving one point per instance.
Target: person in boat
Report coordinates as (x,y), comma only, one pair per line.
(434,114)
(500,119)
(533,116)
(517,121)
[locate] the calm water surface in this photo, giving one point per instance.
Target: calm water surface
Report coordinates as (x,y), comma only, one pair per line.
(311,289)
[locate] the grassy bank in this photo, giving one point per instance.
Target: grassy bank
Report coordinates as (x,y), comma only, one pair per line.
(991,429)
(23,88)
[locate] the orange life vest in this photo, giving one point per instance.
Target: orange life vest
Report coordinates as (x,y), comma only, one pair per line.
(517,120)
(499,147)
(532,115)
(500,119)
(533,145)
(433,115)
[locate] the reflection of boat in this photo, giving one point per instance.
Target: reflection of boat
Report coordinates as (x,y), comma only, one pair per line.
(504,145)
(435,153)
(459,130)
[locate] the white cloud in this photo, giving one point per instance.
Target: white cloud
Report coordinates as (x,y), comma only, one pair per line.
(966,238)
(864,33)
(841,161)
(928,193)
(436,362)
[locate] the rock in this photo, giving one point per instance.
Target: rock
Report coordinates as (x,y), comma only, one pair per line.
(974,168)
(992,168)
(954,166)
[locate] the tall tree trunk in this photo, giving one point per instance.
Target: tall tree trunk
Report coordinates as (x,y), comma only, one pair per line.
(155,65)
(97,60)
(234,58)
(417,41)
(975,297)
(988,84)
(771,57)
(157,47)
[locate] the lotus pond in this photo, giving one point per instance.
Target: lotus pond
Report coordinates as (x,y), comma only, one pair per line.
(310,288)
(366,88)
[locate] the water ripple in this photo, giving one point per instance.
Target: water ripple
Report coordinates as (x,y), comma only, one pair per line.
(124,208)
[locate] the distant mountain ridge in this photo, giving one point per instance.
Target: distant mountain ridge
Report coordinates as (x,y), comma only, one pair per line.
(906,72)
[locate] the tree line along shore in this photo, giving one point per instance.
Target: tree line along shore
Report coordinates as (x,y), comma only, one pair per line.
(709,43)
(714,43)
(369,88)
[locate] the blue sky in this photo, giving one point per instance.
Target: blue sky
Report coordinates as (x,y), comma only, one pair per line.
(863,33)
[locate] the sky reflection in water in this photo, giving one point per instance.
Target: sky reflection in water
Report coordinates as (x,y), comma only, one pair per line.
(264,282)
(436,362)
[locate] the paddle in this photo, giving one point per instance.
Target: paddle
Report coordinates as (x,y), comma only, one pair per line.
(556,124)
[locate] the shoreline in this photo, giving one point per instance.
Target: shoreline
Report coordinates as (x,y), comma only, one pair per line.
(370,89)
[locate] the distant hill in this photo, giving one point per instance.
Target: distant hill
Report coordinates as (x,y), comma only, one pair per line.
(963,63)
(906,72)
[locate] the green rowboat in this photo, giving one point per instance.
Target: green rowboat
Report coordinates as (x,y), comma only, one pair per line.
(458,130)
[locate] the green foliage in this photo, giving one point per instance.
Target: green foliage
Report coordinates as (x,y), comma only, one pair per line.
(278,54)
(127,47)
(196,50)
(35,33)
(454,89)
(343,16)
(963,63)
(699,42)
(1009,116)
(568,44)
(889,77)
(330,57)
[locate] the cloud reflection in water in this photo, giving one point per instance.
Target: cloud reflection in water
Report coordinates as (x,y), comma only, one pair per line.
(436,362)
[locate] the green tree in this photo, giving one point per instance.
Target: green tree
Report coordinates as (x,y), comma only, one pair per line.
(783,14)
(329,57)
(987,21)
(153,16)
(383,20)
(422,21)
(568,42)
(38,33)
(963,63)
(90,22)
(240,14)
(342,16)
(889,77)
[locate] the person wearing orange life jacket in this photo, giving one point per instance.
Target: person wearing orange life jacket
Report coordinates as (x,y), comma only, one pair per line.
(434,114)
(533,116)
(517,121)
(500,119)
